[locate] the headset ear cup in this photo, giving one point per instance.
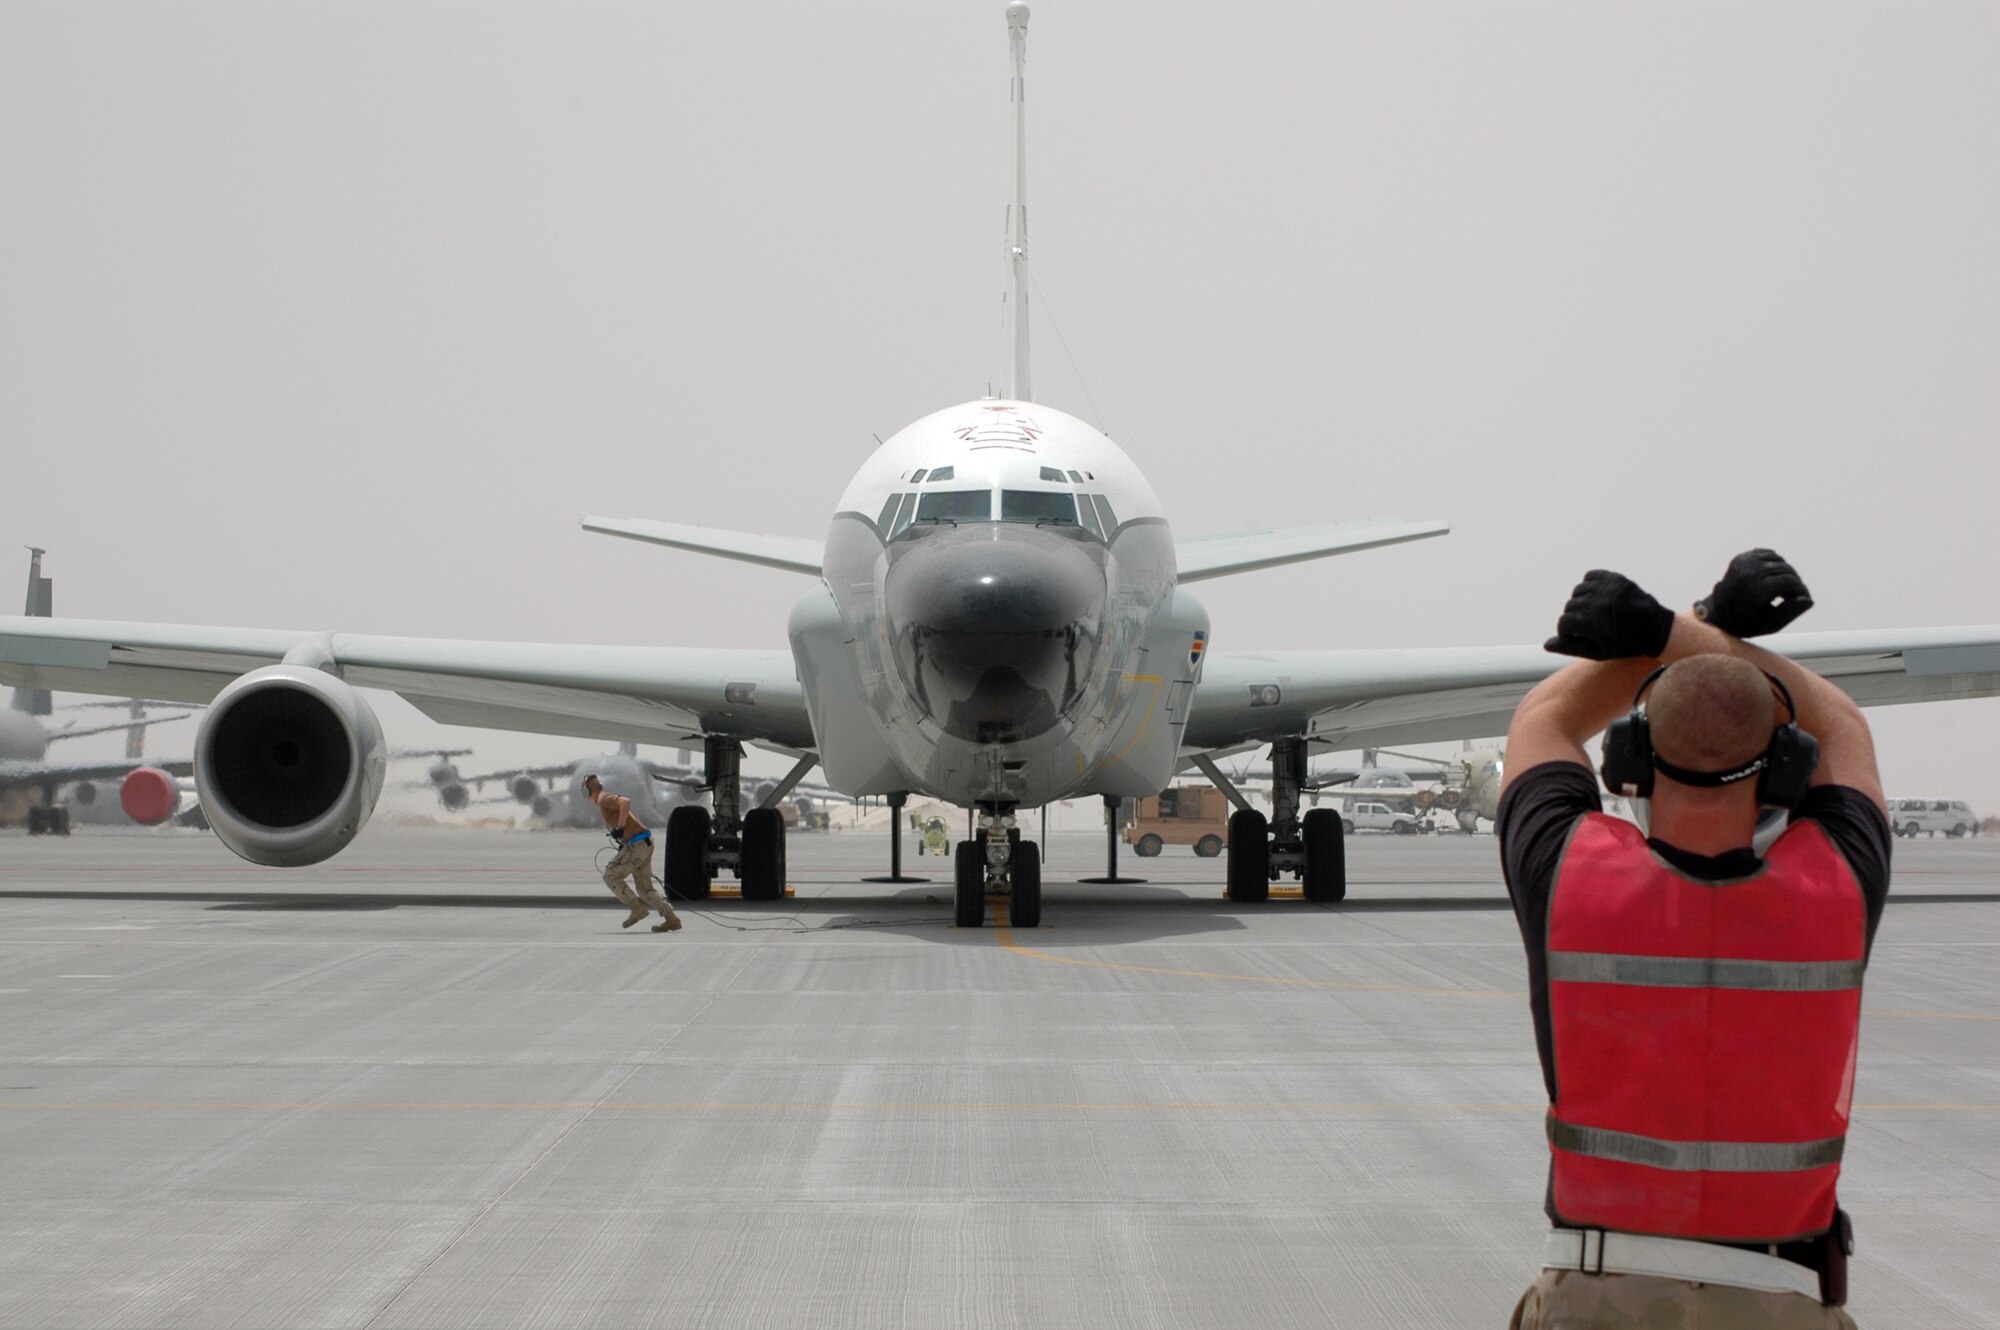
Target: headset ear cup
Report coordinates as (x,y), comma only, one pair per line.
(1627,767)
(1789,764)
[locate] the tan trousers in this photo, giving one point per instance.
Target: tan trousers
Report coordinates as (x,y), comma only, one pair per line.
(634,860)
(1574,1300)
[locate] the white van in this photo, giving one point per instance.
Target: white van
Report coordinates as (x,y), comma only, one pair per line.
(1907,817)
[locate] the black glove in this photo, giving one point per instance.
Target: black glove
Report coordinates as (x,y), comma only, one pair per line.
(1610,617)
(1760,594)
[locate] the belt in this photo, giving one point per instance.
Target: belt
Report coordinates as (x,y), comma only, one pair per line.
(634,840)
(1597,1252)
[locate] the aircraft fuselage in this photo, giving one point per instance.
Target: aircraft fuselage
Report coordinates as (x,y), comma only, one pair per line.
(999,591)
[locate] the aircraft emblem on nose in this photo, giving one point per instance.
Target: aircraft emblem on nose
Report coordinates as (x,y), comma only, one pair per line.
(1195,650)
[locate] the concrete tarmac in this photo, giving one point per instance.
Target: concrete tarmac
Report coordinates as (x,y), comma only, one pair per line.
(432,1083)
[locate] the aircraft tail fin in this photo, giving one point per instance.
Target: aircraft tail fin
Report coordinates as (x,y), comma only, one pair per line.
(1202,557)
(41,605)
(793,554)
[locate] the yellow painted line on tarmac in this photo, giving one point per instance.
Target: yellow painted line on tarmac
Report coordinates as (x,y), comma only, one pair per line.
(887,1106)
(670,1106)
(1004,935)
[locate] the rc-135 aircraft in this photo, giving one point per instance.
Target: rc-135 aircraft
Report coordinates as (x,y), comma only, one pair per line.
(999,616)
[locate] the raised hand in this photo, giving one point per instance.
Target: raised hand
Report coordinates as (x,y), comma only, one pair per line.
(1610,617)
(1759,594)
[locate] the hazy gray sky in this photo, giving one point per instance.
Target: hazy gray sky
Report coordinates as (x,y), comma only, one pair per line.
(339,316)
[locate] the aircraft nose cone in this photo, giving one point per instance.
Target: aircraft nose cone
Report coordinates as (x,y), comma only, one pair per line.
(995,627)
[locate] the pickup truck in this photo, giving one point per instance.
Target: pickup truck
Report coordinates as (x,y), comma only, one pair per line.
(1366,816)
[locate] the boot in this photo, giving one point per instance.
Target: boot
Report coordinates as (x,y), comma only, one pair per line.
(638,913)
(669,923)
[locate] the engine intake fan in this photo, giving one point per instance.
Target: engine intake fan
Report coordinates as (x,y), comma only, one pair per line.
(289,762)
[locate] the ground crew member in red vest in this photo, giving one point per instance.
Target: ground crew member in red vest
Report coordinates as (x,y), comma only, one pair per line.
(1696,1004)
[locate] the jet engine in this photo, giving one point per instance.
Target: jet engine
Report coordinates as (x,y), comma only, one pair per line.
(149,796)
(524,789)
(452,796)
(289,763)
(85,794)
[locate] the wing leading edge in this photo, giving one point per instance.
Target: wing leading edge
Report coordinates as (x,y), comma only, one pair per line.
(668,695)
(1357,699)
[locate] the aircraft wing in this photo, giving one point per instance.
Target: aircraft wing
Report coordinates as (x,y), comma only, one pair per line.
(34,775)
(669,695)
(85,731)
(1366,699)
(793,554)
(1201,557)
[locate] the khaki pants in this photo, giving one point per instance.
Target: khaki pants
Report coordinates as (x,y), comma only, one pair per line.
(1574,1300)
(634,860)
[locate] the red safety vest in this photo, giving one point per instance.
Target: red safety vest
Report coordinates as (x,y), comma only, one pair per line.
(1704,1037)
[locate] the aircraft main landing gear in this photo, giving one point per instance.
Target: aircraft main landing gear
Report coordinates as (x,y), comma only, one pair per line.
(749,844)
(997,861)
(1312,848)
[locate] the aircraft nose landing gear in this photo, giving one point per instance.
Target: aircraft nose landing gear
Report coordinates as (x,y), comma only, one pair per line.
(997,862)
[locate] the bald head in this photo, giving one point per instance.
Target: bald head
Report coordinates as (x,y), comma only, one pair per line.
(1711,713)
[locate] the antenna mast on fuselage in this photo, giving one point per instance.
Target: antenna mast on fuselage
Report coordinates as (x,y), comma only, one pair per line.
(1014,300)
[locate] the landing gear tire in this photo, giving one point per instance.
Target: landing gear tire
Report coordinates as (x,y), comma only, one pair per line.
(763,862)
(1208,846)
(1024,905)
(1249,874)
(1325,875)
(686,867)
(969,884)
(1148,846)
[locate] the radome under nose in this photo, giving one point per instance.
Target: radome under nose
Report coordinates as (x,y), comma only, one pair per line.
(995,626)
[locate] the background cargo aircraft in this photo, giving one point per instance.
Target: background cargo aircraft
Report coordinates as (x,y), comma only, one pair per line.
(998,615)
(148,793)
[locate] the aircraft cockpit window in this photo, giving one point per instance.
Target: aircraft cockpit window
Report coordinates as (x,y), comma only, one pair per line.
(917,476)
(956,506)
(904,510)
(1088,512)
(1037,506)
(1106,516)
(1076,477)
(942,473)
(1050,473)
(888,514)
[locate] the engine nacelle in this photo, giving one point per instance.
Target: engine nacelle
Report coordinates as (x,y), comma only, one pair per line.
(84,794)
(289,763)
(453,797)
(524,789)
(149,796)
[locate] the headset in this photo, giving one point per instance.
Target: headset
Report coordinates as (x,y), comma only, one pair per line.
(1783,770)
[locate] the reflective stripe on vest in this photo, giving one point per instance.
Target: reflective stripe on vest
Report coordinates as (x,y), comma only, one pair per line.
(1597,967)
(1695,1156)
(1703,1036)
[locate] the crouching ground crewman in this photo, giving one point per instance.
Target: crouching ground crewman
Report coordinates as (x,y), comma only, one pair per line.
(634,859)
(1696,1005)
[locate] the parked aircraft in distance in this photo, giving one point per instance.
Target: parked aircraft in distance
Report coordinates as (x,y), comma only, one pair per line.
(148,793)
(999,615)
